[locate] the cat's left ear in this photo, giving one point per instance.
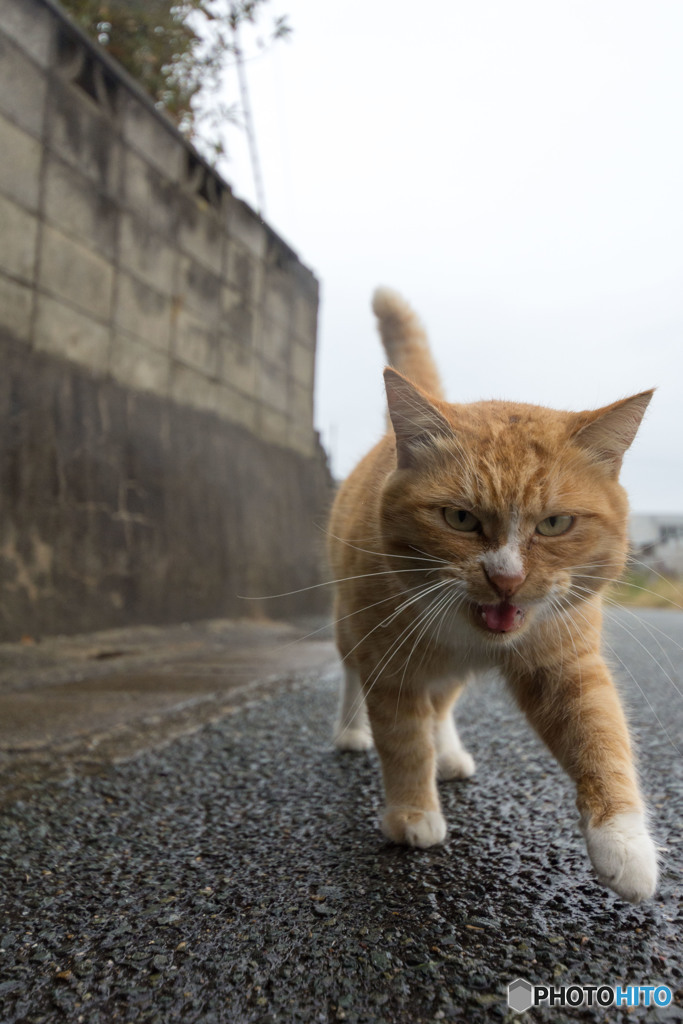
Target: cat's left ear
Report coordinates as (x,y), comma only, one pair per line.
(416,422)
(610,431)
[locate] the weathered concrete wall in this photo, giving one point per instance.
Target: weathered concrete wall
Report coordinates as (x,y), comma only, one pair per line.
(157,341)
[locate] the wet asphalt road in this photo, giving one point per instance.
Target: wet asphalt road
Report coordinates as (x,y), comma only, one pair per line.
(238,875)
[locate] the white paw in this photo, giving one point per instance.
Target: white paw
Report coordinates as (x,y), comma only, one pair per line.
(623,855)
(457,764)
(353,739)
(412,827)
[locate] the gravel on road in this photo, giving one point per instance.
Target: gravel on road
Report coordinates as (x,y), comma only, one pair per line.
(237,875)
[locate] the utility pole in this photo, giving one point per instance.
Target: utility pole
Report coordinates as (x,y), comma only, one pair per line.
(249,125)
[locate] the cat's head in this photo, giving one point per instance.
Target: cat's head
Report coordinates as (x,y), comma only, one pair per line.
(519,505)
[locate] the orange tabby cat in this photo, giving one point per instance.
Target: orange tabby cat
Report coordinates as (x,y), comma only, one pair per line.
(482,536)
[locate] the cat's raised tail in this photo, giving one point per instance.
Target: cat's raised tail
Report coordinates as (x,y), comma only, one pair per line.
(405,340)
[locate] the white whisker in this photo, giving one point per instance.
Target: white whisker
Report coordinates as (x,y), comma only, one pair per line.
(332,583)
(637,684)
(644,590)
(423,592)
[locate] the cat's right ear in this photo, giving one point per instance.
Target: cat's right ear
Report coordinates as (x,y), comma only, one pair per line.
(416,422)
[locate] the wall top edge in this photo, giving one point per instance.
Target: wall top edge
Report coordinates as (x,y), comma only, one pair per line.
(142,97)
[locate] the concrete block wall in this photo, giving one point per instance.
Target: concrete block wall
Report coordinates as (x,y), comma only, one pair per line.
(132,277)
(122,251)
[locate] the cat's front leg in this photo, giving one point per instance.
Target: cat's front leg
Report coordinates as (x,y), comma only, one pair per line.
(580,718)
(623,854)
(402,725)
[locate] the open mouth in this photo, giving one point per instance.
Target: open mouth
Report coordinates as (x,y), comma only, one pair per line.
(499,618)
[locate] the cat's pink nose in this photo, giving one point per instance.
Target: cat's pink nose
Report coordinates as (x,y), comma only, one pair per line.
(506,585)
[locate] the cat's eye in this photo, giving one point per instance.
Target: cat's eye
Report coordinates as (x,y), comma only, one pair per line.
(554,526)
(460,519)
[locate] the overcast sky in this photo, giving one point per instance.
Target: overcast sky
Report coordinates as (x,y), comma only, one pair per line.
(516,170)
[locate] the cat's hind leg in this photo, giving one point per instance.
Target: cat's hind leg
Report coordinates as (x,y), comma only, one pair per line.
(452,760)
(352,729)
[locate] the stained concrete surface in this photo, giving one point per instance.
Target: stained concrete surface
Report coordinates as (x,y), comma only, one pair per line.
(121,506)
(73,703)
(236,874)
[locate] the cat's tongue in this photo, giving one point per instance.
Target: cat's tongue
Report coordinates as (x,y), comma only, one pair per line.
(502,617)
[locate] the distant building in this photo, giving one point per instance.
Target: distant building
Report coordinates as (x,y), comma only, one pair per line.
(657,542)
